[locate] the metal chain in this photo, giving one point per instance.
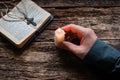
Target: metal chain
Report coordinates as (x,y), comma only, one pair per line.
(16,18)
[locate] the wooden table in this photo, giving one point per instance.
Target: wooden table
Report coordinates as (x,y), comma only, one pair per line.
(41,60)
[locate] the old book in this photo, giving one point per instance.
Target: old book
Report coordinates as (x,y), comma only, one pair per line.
(23,22)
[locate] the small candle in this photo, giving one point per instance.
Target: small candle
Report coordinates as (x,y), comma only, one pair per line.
(59,36)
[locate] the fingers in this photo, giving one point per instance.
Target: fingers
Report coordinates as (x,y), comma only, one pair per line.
(74,28)
(77,50)
(78,30)
(69,46)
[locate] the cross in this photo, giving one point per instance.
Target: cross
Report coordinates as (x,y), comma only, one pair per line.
(30,21)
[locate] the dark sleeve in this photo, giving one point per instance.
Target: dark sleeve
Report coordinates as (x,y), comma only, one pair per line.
(104,57)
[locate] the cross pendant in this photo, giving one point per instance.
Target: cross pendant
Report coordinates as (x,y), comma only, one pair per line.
(30,21)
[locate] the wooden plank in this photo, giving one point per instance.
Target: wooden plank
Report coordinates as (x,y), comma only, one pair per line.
(78,3)
(71,3)
(41,60)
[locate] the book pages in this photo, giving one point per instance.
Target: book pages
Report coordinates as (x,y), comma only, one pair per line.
(15,31)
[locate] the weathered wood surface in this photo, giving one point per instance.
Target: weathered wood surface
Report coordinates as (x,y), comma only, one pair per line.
(41,60)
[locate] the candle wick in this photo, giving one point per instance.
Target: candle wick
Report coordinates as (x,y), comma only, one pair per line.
(59,31)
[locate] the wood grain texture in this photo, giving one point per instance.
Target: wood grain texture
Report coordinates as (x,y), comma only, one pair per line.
(78,3)
(41,60)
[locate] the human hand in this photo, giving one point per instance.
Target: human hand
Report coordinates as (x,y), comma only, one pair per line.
(87,38)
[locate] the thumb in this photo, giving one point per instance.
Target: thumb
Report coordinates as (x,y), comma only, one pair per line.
(70,46)
(77,50)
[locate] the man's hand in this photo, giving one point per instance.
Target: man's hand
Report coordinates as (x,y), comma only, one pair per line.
(87,39)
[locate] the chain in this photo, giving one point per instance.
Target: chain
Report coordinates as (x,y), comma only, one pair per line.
(17,18)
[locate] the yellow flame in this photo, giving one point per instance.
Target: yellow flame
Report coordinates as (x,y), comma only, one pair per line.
(59,30)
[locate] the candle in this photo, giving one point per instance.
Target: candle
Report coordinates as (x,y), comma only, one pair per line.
(59,36)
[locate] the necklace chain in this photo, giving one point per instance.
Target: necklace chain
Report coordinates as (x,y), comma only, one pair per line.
(17,18)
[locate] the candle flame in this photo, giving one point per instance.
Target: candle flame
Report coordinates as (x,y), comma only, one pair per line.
(59,30)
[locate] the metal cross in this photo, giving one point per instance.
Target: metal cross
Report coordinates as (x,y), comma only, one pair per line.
(30,21)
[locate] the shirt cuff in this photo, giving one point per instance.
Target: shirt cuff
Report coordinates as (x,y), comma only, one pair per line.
(102,56)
